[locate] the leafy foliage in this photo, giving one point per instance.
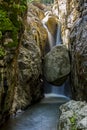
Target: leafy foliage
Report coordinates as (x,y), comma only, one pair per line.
(0,34)
(5,23)
(73,122)
(10,12)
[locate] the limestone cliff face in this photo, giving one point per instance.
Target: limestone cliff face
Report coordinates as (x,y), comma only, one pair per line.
(78,49)
(21,67)
(68,11)
(27,65)
(34,26)
(73,17)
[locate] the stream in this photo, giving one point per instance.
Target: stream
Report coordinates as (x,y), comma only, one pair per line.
(41,116)
(45,114)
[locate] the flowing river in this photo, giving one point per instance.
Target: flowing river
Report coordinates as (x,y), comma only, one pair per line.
(41,116)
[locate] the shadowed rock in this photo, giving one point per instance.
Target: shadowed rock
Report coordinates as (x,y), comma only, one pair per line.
(57,65)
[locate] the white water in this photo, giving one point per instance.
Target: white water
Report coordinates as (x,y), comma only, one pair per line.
(50,89)
(60,91)
(50,37)
(58,36)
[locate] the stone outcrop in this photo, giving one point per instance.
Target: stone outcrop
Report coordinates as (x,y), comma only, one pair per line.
(73,15)
(26,66)
(28,88)
(78,49)
(35,27)
(52,23)
(21,67)
(10,32)
(67,11)
(73,116)
(57,65)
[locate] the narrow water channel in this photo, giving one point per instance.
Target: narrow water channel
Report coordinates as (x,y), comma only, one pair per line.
(41,116)
(45,114)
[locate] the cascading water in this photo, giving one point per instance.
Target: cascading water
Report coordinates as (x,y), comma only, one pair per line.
(58,36)
(50,37)
(49,88)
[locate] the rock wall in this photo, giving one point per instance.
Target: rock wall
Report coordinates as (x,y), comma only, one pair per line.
(68,11)
(73,17)
(11,29)
(73,116)
(21,67)
(78,50)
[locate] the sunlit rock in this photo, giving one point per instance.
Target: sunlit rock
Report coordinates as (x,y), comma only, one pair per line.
(35,27)
(51,22)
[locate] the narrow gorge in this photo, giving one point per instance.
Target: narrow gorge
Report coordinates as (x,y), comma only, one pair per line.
(43,65)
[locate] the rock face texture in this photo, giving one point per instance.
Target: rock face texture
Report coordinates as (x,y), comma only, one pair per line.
(34,28)
(73,15)
(21,67)
(73,116)
(10,34)
(50,23)
(68,11)
(28,89)
(78,49)
(57,65)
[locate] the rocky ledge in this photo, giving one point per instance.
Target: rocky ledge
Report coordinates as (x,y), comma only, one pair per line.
(73,116)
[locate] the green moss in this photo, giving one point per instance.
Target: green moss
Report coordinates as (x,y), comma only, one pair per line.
(73,122)
(2,52)
(10,15)
(7,25)
(0,34)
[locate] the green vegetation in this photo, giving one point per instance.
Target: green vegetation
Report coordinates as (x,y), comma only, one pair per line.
(2,52)
(73,122)
(11,14)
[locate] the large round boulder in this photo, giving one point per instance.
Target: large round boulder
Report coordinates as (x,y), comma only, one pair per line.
(57,65)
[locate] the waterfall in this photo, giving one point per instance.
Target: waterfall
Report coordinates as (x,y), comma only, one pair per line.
(49,88)
(58,36)
(50,36)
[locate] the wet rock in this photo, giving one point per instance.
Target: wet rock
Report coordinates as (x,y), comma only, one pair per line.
(22,68)
(73,116)
(52,23)
(29,71)
(57,65)
(73,15)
